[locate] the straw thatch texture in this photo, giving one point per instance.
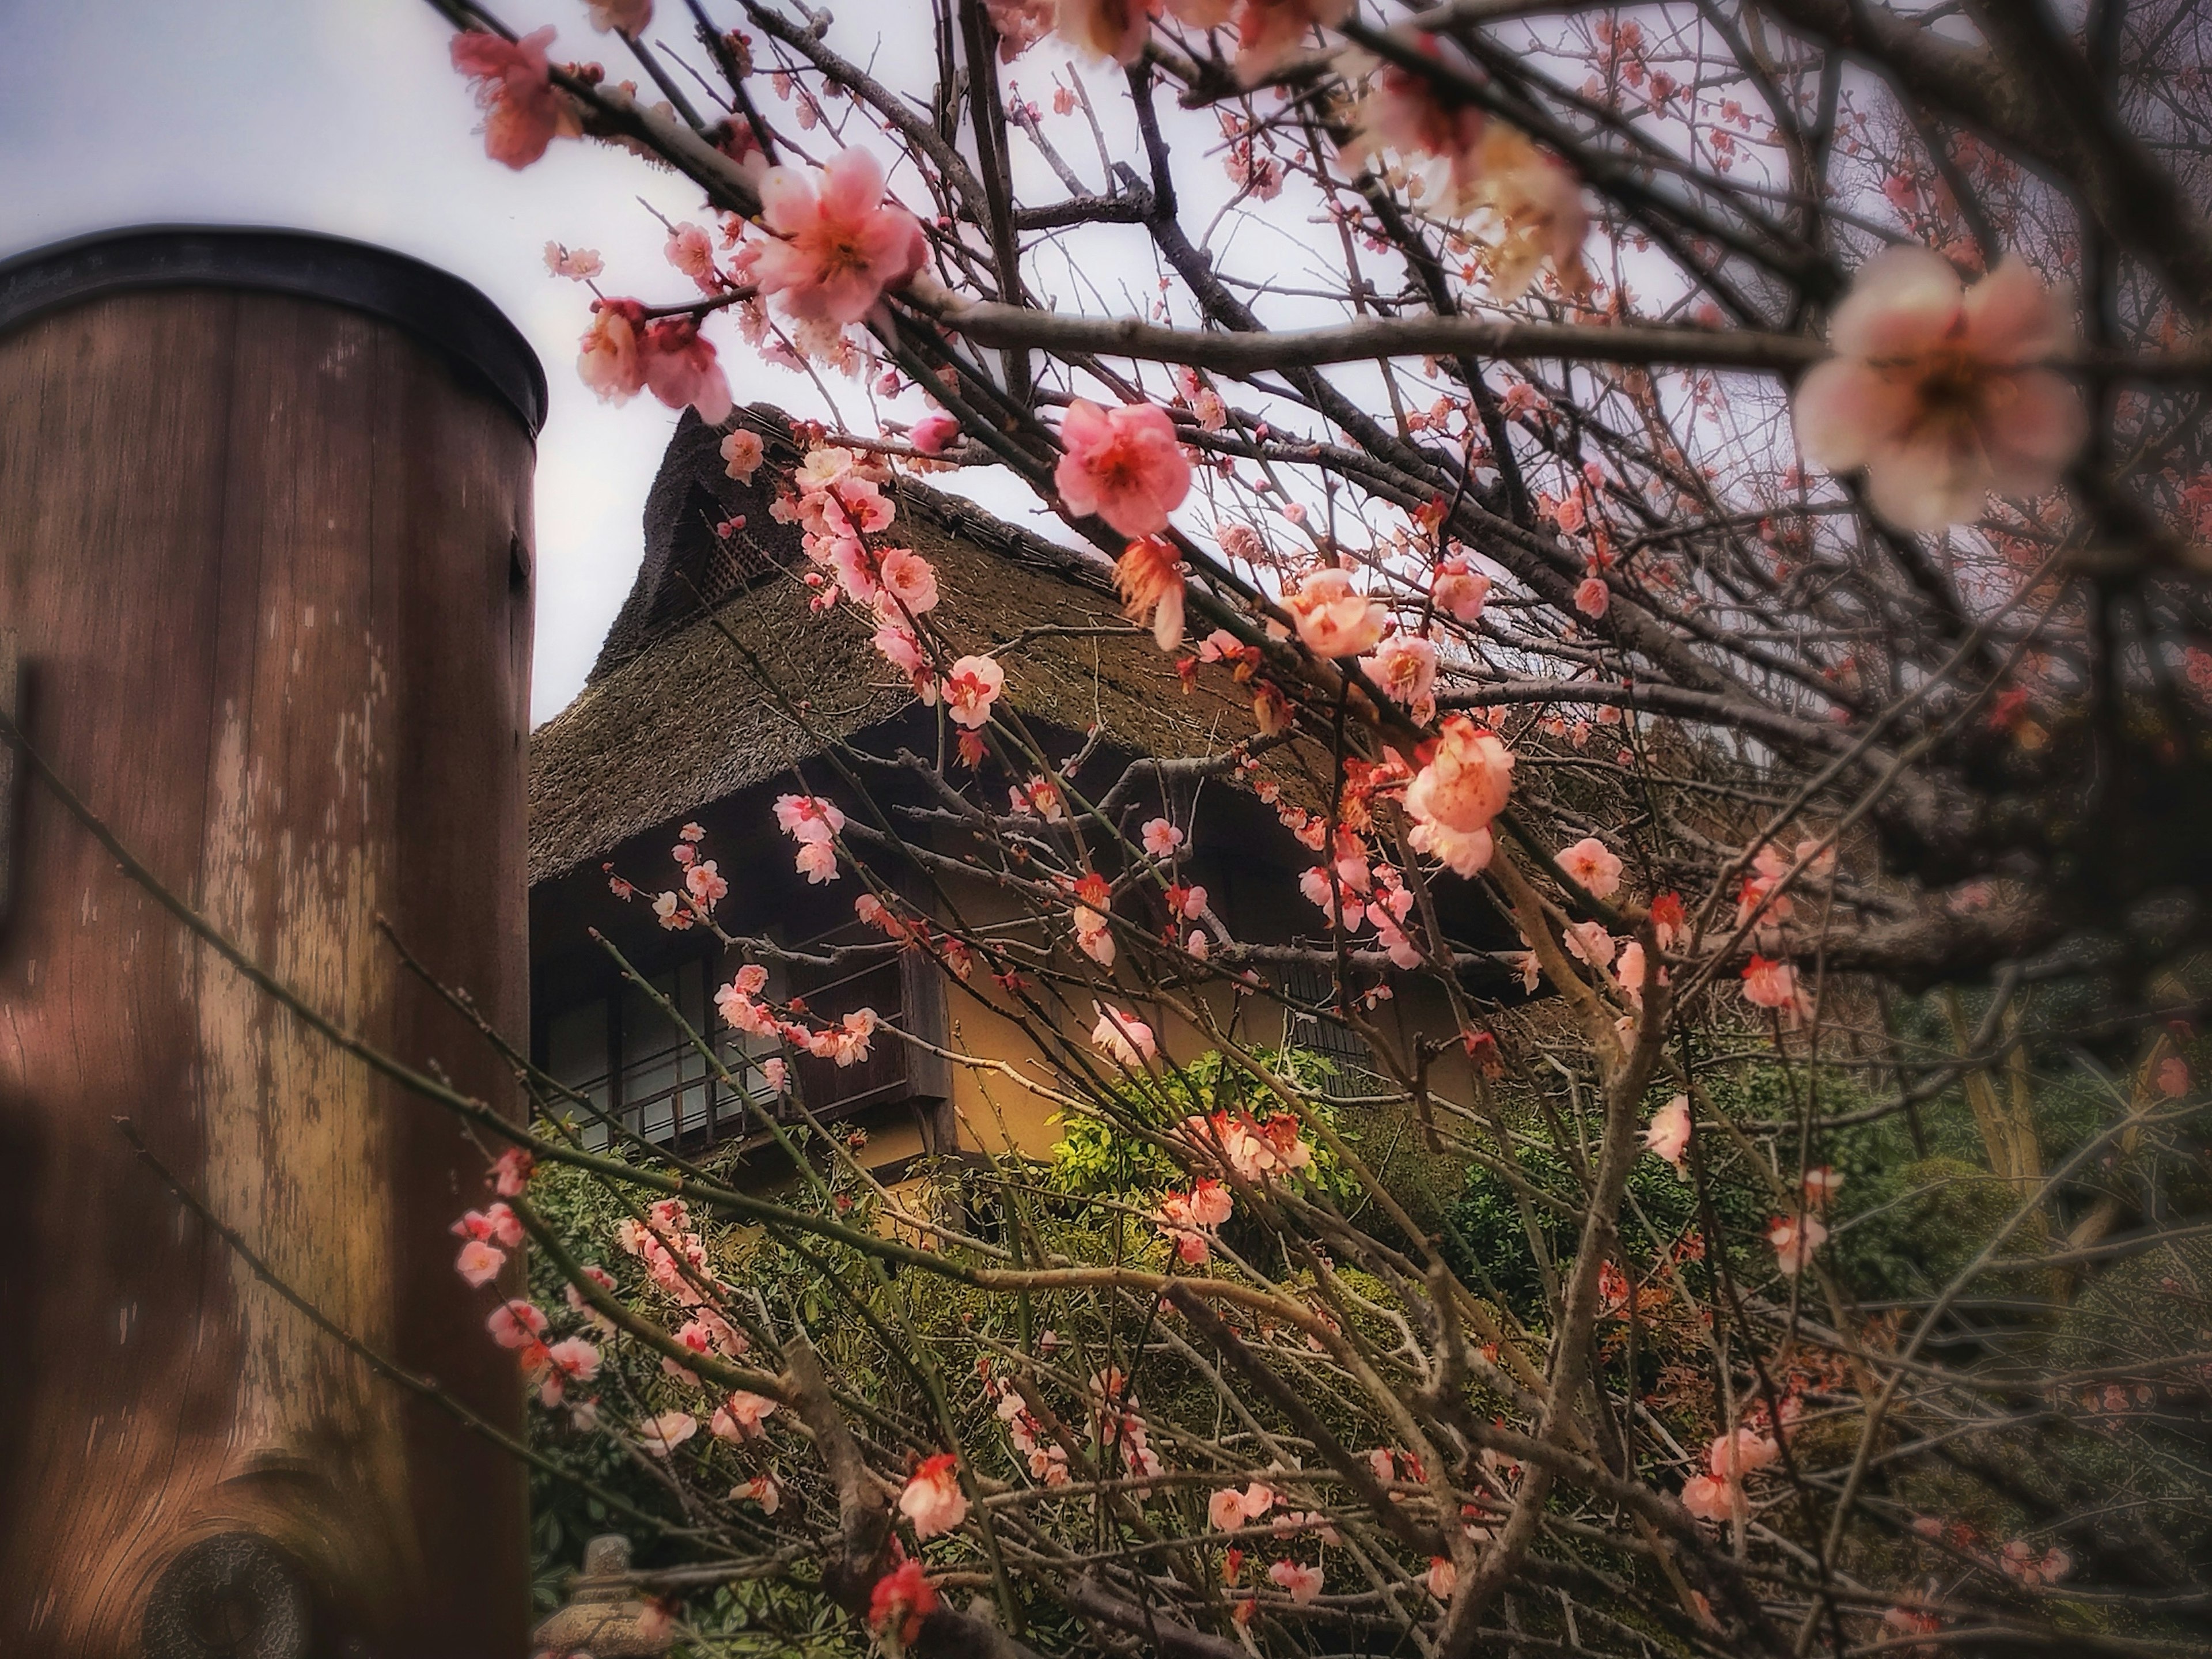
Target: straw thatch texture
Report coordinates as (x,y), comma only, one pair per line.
(674,717)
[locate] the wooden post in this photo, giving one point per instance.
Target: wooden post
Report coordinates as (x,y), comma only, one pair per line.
(265,550)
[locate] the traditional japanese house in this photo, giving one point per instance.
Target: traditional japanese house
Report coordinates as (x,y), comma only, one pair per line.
(721,686)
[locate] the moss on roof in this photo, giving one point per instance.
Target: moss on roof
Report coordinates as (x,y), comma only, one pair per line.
(673,717)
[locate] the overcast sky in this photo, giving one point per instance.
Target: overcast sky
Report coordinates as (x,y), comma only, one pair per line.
(343,116)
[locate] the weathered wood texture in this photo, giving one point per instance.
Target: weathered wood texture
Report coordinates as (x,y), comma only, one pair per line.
(266,560)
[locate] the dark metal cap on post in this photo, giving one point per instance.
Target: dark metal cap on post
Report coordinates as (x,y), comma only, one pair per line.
(435,306)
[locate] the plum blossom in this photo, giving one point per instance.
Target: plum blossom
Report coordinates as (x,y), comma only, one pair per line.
(830,256)
(1821,1185)
(1593,597)
(1268,35)
(1709,1498)
(1768,984)
(932,1499)
(1113,29)
(691,249)
(1937,390)
(902,1600)
(934,433)
(971,688)
(1302,1582)
(1593,866)
(1229,1509)
(1403,110)
(1537,204)
(1332,620)
(1459,592)
(1149,573)
(705,885)
(491,1234)
(1667,1135)
(1405,667)
(514,87)
(1442,1578)
(1021,24)
(680,368)
(1161,838)
(662,1435)
(1795,1239)
(742,454)
(619,16)
(1122,464)
(510,1172)
(1123,1038)
(1467,780)
(610,361)
(1732,1456)
(1094,927)
(578,264)
(740,1417)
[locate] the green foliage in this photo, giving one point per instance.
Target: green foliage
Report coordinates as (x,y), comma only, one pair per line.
(1099,1157)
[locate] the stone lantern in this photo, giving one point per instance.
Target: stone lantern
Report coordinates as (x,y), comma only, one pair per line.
(605,1617)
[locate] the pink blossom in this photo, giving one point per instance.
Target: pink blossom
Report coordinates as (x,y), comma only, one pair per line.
(706,886)
(1332,620)
(1269,34)
(909,579)
(691,249)
(514,87)
(572,1360)
(1589,942)
(515,1324)
(1668,1132)
(1442,1578)
(680,368)
(1708,1499)
(1021,24)
(971,688)
(1936,390)
(1302,1582)
(1405,667)
(1795,1241)
(1148,573)
(610,362)
(1732,1456)
(1774,985)
(764,1490)
(740,1416)
(1538,205)
(1592,597)
(2173,1076)
(1591,865)
(742,454)
(1122,464)
(808,817)
(934,433)
(817,862)
(1161,838)
(1467,782)
(627,17)
(932,1499)
(1211,1203)
(904,652)
(1123,1037)
(775,1072)
(901,1601)
(1113,29)
(1821,1185)
(578,264)
(1225,1510)
(510,1172)
(832,255)
(662,1435)
(1459,592)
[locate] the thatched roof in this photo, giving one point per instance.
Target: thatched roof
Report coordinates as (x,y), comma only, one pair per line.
(674,718)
